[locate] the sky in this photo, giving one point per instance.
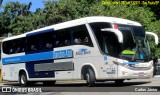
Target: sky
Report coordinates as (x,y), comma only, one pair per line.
(35,3)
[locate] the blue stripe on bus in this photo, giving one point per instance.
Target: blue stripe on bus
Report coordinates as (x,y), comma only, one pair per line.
(39,56)
(40,32)
(131,63)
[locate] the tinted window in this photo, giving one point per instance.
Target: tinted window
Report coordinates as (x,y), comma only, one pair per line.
(96,27)
(77,35)
(81,36)
(14,46)
(137,30)
(62,38)
(47,41)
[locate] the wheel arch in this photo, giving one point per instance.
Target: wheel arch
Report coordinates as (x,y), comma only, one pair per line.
(23,70)
(86,66)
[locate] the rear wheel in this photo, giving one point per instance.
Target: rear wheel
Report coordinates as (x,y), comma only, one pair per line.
(90,77)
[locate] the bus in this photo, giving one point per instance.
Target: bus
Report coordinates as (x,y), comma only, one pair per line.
(96,48)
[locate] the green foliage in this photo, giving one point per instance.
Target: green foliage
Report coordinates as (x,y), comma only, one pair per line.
(154,27)
(14,18)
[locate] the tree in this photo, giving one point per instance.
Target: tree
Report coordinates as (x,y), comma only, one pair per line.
(13,18)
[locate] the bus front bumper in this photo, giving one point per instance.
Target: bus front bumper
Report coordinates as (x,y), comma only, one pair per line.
(126,73)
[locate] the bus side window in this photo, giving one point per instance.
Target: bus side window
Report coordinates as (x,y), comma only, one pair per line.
(47,42)
(77,41)
(32,43)
(62,38)
(33,47)
(81,36)
(48,45)
(11,45)
(19,45)
(6,48)
(86,40)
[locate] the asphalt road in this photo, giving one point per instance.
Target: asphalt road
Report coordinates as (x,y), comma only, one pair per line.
(130,87)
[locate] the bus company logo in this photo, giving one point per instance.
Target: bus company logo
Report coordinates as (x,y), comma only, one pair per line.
(6,89)
(83,51)
(20,90)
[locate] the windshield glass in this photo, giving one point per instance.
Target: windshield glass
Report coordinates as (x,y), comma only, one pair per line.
(134,40)
(134,47)
(128,39)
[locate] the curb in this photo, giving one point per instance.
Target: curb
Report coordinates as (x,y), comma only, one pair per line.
(157,76)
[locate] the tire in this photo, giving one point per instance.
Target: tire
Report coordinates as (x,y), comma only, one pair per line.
(119,82)
(49,83)
(23,79)
(90,77)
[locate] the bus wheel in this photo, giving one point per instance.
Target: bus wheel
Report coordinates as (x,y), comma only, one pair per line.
(23,79)
(49,83)
(119,82)
(90,78)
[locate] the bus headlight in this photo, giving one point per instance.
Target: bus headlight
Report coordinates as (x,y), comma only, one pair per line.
(122,64)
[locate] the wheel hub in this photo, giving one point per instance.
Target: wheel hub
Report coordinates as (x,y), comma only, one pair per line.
(23,79)
(87,77)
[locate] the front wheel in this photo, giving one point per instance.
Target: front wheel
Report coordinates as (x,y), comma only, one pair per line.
(90,78)
(23,79)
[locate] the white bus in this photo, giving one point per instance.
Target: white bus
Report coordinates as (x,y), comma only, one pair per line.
(93,49)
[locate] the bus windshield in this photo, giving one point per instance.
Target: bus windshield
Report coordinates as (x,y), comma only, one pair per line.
(134,47)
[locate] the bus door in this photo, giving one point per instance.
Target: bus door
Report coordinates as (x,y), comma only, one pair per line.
(111,48)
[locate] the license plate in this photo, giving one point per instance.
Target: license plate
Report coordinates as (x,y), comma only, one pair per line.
(141,74)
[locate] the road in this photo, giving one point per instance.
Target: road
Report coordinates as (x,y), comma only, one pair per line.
(130,87)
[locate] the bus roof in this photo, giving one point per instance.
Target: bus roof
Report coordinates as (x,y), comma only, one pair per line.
(111,20)
(79,22)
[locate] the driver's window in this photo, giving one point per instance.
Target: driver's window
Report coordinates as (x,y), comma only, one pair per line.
(105,45)
(111,44)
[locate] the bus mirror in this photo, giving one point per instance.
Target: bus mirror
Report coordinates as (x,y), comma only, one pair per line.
(154,36)
(116,32)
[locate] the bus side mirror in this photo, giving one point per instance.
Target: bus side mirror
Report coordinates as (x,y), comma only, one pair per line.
(154,36)
(116,32)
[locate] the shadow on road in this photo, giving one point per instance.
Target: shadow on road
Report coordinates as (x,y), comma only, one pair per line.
(81,87)
(75,84)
